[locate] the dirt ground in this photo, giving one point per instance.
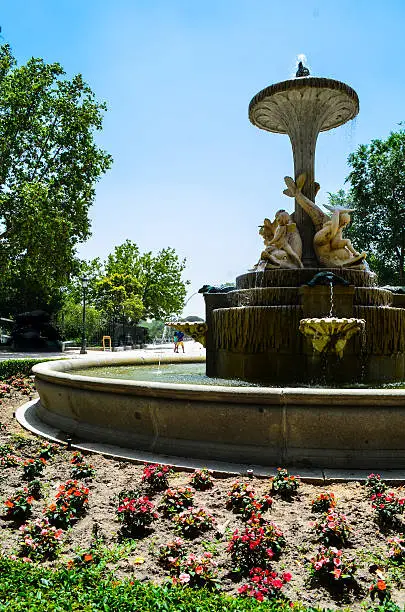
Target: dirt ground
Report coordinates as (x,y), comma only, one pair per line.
(368,545)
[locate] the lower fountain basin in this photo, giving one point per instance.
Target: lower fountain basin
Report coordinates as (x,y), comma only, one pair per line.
(331,428)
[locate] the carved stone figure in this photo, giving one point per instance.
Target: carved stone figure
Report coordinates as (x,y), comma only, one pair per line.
(331,249)
(282,241)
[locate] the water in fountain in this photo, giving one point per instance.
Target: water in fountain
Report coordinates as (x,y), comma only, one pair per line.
(162,342)
(194,374)
(260,269)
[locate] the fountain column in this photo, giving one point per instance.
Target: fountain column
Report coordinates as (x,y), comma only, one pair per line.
(303,145)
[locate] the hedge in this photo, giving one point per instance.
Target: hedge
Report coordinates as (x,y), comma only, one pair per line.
(11,367)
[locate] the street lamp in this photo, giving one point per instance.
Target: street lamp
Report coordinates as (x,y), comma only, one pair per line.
(85,284)
(124,348)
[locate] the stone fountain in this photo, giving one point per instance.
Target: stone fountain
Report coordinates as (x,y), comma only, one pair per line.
(350,331)
(308,311)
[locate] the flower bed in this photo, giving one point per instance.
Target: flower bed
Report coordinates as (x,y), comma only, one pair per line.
(274,554)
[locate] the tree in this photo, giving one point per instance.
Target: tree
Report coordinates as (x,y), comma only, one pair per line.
(130,285)
(156,330)
(377,193)
(117,295)
(49,165)
(161,287)
(70,321)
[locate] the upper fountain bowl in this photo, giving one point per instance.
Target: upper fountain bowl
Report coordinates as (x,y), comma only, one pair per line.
(325,102)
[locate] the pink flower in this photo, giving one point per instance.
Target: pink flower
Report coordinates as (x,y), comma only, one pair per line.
(287,576)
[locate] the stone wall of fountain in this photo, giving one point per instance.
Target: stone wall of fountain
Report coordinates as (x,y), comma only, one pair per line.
(329,428)
(253,330)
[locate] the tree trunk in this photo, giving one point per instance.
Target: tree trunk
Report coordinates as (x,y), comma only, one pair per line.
(401,264)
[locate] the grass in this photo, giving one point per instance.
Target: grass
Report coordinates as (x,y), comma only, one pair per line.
(31,588)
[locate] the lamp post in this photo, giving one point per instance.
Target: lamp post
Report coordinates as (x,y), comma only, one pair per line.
(124,343)
(85,284)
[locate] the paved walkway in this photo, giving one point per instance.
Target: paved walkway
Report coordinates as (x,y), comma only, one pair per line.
(190,348)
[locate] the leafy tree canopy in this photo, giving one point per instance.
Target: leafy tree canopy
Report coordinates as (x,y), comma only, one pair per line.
(377,192)
(119,294)
(49,165)
(162,289)
(139,285)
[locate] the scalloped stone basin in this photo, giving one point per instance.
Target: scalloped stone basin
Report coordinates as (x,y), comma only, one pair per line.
(330,334)
(331,428)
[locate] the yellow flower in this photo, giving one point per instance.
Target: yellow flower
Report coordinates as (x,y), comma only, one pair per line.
(139,560)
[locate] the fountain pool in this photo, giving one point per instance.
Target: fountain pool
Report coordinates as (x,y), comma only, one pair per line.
(194,373)
(301,426)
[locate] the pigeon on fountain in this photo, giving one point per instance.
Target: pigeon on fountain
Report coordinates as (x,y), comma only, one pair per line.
(302,70)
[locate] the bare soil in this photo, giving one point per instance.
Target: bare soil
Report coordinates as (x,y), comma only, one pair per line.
(368,544)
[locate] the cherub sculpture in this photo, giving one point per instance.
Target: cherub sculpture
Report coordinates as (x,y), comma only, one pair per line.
(331,249)
(282,241)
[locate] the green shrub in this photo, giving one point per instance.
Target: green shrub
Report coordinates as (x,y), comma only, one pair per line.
(11,367)
(26,587)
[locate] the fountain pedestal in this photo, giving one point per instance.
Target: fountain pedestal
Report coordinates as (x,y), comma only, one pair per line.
(319,301)
(253,331)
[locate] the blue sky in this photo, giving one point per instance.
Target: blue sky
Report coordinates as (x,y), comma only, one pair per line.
(189,170)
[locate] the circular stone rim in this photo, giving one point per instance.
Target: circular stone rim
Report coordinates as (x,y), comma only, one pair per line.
(300,83)
(62,372)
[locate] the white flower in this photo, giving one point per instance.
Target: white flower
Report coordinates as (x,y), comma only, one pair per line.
(184,578)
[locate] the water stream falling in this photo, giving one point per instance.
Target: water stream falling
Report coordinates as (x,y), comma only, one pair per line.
(363,352)
(161,352)
(259,276)
(331,300)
